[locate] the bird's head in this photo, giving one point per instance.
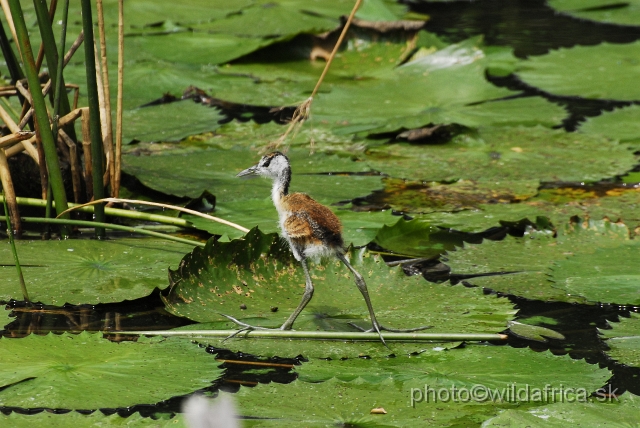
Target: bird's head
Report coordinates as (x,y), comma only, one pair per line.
(272,165)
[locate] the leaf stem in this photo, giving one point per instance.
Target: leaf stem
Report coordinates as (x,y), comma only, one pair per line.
(335,335)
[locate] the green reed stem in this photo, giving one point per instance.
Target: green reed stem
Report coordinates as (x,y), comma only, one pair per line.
(97,151)
(335,335)
(95,224)
(40,108)
(12,242)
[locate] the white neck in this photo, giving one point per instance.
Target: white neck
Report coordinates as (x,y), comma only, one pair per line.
(280,189)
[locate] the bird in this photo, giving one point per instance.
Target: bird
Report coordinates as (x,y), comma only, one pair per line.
(312,231)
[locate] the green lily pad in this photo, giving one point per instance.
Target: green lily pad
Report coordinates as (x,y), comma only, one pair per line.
(445,87)
(606,275)
(416,238)
(192,48)
(423,197)
(366,91)
(522,266)
(354,387)
(505,155)
(85,371)
(557,204)
(89,271)
(169,122)
(215,170)
(621,412)
(274,19)
(533,332)
(623,340)
(248,278)
(464,366)
(621,124)
(606,71)
(5,318)
(95,419)
(609,11)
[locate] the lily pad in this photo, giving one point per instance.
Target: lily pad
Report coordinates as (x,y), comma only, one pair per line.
(95,419)
(624,340)
(533,332)
(366,91)
(522,266)
(89,271)
(416,238)
(606,275)
(605,71)
(621,124)
(353,387)
(85,371)
(422,197)
(464,366)
(612,412)
(169,122)
(557,204)
(445,87)
(607,11)
(505,155)
(5,318)
(215,170)
(248,278)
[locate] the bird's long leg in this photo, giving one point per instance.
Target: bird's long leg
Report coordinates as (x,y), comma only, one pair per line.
(362,286)
(306,297)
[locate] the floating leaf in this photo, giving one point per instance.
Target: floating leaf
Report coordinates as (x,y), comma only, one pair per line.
(624,340)
(169,122)
(422,197)
(609,11)
(78,420)
(621,124)
(464,366)
(557,204)
(89,271)
(367,92)
(506,155)
(442,88)
(606,275)
(352,387)
(521,266)
(215,170)
(85,371)
(533,332)
(416,238)
(606,71)
(5,318)
(258,274)
(614,412)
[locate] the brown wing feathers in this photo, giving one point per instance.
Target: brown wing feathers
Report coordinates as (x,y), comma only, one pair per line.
(311,221)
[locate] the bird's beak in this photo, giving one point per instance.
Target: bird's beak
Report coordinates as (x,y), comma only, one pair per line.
(248,171)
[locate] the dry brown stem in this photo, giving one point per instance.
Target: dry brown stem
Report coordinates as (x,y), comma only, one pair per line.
(303,111)
(118,153)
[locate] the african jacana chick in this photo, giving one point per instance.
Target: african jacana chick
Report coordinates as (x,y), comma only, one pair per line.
(311,229)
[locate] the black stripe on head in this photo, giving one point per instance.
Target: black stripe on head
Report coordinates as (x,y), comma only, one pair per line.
(266,160)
